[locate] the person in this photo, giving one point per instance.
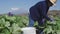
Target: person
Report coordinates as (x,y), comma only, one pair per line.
(38,13)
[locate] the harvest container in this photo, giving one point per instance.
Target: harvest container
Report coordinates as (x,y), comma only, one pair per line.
(29,30)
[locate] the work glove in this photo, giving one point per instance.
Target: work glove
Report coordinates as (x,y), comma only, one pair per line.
(51,20)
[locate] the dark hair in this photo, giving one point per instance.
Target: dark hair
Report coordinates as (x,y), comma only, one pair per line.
(47,0)
(49,3)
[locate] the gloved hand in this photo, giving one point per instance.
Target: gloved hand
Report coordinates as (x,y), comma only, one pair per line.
(51,19)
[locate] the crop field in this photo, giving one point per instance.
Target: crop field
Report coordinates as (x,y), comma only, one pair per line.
(13,25)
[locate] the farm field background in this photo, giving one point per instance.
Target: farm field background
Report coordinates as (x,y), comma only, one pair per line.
(13,25)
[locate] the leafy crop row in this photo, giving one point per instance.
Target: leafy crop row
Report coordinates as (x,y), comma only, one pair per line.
(13,25)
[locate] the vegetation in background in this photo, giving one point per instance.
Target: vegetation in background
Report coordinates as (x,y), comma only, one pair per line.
(13,25)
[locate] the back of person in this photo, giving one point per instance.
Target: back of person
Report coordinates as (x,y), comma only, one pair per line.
(35,11)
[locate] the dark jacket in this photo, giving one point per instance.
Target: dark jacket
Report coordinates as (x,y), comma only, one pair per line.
(39,11)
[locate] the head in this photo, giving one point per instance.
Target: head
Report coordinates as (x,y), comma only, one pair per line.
(51,2)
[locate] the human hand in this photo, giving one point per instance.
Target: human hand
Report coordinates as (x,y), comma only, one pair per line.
(51,20)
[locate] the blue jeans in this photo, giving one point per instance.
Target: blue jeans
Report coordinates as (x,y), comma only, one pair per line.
(31,24)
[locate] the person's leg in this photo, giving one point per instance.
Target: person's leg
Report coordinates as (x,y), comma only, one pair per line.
(31,22)
(41,23)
